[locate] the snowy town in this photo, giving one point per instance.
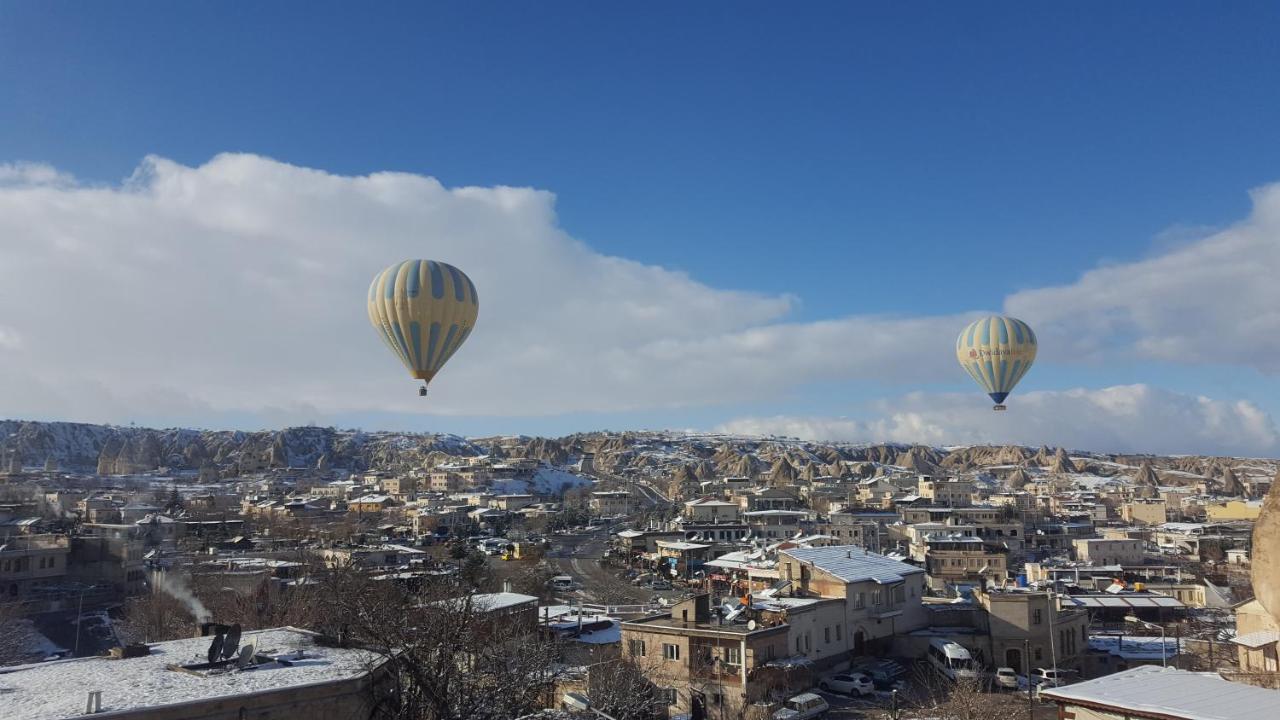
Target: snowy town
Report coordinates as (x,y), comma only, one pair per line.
(635,575)
(639,361)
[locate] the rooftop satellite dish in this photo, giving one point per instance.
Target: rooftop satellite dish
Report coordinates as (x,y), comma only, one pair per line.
(215,648)
(245,658)
(231,643)
(751,625)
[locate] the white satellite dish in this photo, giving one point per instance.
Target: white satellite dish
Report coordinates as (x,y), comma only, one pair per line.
(751,625)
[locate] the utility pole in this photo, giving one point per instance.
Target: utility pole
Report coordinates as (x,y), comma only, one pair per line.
(1026,663)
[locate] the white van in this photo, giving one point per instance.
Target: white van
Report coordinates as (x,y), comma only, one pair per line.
(951,660)
(561,582)
(803,707)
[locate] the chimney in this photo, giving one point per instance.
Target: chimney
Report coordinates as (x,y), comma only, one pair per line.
(506,586)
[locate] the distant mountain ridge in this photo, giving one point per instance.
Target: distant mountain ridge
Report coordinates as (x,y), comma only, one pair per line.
(116,450)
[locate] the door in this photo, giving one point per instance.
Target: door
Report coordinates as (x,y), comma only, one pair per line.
(859,642)
(1013,659)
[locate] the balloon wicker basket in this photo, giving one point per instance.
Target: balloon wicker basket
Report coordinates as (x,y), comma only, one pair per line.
(999,408)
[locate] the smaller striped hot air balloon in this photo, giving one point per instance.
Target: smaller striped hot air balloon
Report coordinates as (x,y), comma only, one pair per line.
(423,310)
(996,351)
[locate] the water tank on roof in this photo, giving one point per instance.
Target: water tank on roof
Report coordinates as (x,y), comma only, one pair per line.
(1021,581)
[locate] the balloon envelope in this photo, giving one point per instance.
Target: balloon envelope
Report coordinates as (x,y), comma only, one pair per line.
(996,351)
(424,310)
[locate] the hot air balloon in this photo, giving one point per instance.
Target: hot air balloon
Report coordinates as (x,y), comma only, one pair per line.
(424,310)
(996,351)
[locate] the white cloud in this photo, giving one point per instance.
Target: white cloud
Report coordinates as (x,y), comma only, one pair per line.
(9,339)
(1215,300)
(240,285)
(29,174)
(1128,418)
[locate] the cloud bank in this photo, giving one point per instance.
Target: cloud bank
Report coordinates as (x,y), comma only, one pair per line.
(1127,418)
(238,287)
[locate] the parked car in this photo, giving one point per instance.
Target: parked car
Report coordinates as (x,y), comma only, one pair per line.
(660,585)
(1050,678)
(1006,678)
(848,684)
(885,673)
(802,707)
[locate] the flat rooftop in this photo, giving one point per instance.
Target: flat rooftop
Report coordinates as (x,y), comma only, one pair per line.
(55,690)
(657,623)
(1149,691)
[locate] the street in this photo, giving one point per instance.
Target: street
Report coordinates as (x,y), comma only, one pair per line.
(579,557)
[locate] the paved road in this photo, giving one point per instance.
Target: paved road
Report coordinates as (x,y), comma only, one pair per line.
(579,556)
(646,492)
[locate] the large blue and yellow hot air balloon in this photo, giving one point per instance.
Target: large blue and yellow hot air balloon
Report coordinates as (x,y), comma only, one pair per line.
(996,351)
(424,310)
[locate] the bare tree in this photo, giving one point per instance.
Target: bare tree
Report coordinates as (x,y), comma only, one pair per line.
(963,699)
(621,688)
(447,657)
(155,617)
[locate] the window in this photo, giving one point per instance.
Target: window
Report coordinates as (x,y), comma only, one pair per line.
(876,598)
(838,634)
(667,695)
(860,601)
(732,656)
(670,652)
(826,635)
(1035,620)
(898,595)
(637,648)
(1039,654)
(799,644)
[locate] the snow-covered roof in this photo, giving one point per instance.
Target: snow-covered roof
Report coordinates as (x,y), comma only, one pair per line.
(680,545)
(1257,639)
(629,534)
(851,563)
(373,499)
(1172,693)
(1125,601)
(500,600)
(40,691)
(710,502)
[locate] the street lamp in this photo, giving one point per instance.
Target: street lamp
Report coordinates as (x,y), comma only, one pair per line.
(1134,619)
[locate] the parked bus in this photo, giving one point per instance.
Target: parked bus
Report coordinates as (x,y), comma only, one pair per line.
(951,660)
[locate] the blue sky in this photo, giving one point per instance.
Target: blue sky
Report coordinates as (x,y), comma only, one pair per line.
(866,159)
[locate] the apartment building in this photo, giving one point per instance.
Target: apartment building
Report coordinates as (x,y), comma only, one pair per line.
(705,660)
(882,596)
(610,502)
(1145,512)
(31,565)
(849,529)
(1101,551)
(776,524)
(711,510)
(1021,621)
(952,558)
(945,491)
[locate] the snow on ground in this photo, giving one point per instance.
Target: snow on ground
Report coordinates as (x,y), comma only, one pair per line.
(24,643)
(546,481)
(46,691)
